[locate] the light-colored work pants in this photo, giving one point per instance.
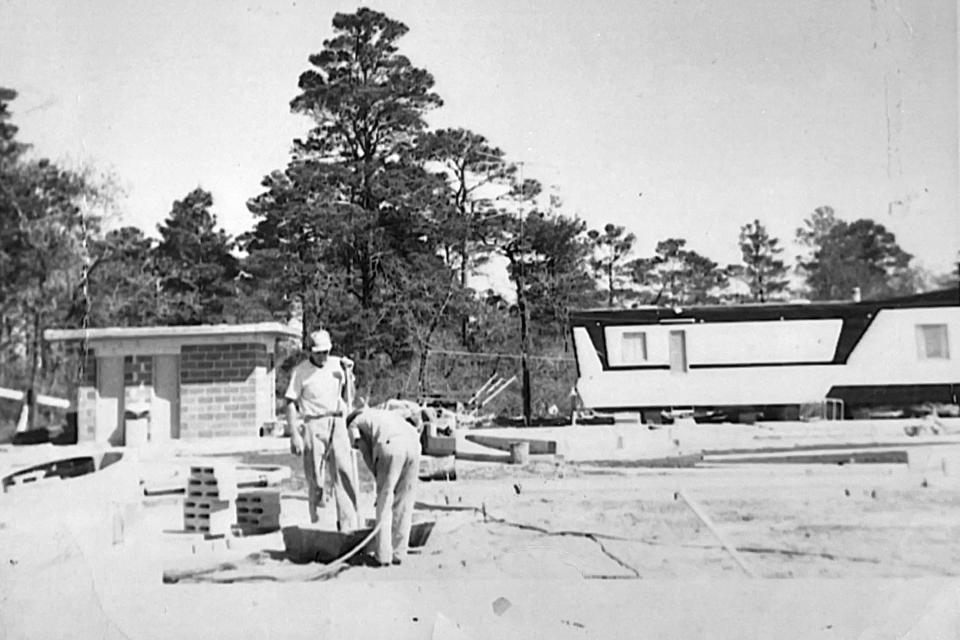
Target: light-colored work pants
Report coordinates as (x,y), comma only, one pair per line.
(397,464)
(339,464)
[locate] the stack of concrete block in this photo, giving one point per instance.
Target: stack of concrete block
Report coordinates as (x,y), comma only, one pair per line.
(258,511)
(208,507)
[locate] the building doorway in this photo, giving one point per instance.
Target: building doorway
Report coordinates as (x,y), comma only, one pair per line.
(678,351)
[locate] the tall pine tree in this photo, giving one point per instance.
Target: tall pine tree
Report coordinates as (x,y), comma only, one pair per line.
(763,271)
(349,211)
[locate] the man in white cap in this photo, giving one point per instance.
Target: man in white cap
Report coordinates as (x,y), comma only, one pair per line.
(390,444)
(321,387)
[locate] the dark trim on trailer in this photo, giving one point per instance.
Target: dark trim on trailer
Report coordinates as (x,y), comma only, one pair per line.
(895,394)
(751,365)
(576,356)
(599,341)
(760,312)
(640,367)
(852,331)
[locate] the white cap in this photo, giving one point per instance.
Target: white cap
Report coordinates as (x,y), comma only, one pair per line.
(320,341)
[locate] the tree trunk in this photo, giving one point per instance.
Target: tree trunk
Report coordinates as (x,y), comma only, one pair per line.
(463,287)
(610,285)
(31,396)
(304,327)
(524,330)
(422,372)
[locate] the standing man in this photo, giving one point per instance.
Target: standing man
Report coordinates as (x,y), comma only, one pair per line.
(321,388)
(390,444)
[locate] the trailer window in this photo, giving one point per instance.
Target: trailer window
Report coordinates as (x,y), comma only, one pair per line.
(634,344)
(932,342)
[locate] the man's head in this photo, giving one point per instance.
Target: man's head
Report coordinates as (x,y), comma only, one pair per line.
(320,346)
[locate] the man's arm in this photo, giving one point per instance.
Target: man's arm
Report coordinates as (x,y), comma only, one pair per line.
(367,451)
(296,438)
(292,395)
(349,389)
(363,443)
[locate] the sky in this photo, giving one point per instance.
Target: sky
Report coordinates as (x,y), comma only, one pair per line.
(673,118)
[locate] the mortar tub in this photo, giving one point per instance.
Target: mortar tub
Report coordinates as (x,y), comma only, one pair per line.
(305,545)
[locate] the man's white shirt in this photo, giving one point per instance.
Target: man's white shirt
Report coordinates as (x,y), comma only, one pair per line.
(317,389)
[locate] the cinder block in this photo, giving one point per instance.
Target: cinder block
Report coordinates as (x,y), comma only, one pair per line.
(226,470)
(216,523)
(205,505)
(260,496)
(211,490)
(219,477)
(257,513)
(261,524)
(272,506)
(258,503)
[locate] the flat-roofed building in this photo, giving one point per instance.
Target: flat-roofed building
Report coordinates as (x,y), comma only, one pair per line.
(204,381)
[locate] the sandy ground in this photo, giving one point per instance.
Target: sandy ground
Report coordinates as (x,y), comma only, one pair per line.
(547,550)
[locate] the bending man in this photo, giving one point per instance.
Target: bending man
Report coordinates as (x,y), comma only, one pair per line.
(391,448)
(321,387)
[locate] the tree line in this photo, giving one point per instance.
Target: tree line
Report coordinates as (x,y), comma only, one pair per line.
(376,229)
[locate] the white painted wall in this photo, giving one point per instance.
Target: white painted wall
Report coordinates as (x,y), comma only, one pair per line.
(734,342)
(888,351)
(165,406)
(760,385)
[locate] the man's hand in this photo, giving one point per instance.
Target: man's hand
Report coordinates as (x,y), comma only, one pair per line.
(296,443)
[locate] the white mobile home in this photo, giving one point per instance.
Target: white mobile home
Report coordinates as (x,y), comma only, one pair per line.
(769,359)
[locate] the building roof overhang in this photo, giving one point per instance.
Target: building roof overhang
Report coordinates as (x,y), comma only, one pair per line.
(186,333)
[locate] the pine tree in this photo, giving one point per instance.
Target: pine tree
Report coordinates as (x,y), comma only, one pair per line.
(197,262)
(762,270)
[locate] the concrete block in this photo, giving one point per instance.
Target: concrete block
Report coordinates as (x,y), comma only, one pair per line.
(261,510)
(216,523)
(258,511)
(223,471)
(211,490)
(258,517)
(261,524)
(261,499)
(204,505)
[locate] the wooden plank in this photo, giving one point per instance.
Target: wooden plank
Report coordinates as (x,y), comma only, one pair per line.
(47,401)
(844,456)
(502,443)
(705,519)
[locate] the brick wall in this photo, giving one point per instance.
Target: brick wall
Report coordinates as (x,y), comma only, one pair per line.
(219,387)
(137,370)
